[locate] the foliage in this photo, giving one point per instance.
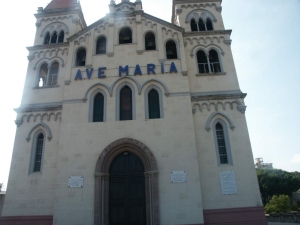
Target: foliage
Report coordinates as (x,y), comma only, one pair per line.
(1,185)
(279,204)
(277,182)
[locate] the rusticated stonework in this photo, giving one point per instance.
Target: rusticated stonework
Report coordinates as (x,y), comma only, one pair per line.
(101,215)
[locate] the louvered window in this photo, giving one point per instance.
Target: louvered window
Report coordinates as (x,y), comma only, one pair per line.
(38,153)
(221,144)
(153,101)
(126,104)
(98,108)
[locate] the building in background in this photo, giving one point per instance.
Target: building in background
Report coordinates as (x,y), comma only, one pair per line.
(132,120)
(259,164)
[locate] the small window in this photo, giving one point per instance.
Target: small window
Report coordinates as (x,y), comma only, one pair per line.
(43,75)
(125,36)
(126,103)
(54,38)
(61,37)
(53,74)
(150,41)
(98,108)
(209,25)
(101,45)
(194,25)
(221,144)
(38,153)
(202,62)
(47,39)
(201,25)
(81,57)
(171,50)
(153,101)
(214,61)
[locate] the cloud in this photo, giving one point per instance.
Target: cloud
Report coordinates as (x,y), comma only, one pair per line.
(296,158)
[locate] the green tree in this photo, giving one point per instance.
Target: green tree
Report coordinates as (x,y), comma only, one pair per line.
(277,182)
(279,204)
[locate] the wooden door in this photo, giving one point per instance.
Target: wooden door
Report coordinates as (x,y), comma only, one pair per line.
(127,204)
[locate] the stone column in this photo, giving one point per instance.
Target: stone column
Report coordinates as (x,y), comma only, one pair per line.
(139,35)
(110,40)
(90,50)
(182,56)
(69,63)
(160,44)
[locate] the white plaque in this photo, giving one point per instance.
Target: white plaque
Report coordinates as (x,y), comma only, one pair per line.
(228,183)
(75,182)
(178,177)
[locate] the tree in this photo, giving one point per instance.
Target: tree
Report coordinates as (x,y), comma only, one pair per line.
(1,185)
(279,204)
(277,182)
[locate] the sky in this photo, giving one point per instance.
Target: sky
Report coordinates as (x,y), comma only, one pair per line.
(265,46)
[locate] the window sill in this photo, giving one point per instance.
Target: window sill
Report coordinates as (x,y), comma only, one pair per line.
(44,87)
(126,44)
(209,74)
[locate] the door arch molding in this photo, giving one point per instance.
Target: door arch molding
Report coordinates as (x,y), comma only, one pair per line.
(101,205)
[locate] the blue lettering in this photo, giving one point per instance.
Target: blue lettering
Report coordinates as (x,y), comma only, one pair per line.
(123,70)
(173,68)
(138,70)
(89,73)
(162,68)
(101,72)
(78,75)
(150,68)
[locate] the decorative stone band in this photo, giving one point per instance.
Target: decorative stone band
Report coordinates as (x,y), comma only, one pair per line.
(235,216)
(25,220)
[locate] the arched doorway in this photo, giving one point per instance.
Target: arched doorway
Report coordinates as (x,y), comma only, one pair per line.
(127,202)
(105,171)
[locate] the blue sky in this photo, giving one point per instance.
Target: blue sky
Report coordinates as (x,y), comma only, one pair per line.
(265,47)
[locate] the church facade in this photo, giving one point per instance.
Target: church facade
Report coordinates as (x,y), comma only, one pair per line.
(132,120)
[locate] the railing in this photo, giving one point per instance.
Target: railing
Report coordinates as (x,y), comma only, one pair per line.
(214,67)
(284,217)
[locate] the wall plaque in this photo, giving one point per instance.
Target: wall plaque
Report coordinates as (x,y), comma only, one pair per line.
(75,182)
(228,183)
(178,177)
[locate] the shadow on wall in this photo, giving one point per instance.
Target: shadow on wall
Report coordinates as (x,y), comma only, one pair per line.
(2,196)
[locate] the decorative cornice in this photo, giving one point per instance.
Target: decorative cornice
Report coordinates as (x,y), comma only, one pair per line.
(39,107)
(209,96)
(205,33)
(170,25)
(49,46)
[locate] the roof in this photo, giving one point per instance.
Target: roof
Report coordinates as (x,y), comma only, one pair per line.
(58,4)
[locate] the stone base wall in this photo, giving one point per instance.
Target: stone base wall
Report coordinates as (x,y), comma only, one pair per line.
(235,216)
(2,197)
(26,220)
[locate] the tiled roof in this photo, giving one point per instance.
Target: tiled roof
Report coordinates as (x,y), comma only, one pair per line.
(57,4)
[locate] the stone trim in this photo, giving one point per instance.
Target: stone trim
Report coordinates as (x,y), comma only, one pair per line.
(206,33)
(101,200)
(217,95)
(48,46)
(45,126)
(209,74)
(54,106)
(235,216)
(25,220)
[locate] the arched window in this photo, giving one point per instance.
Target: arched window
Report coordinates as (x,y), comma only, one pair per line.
(101,45)
(194,25)
(154,107)
(126,103)
(80,57)
(38,153)
(202,62)
(54,38)
(53,74)
(201,25)
(221,144)
(125,36)
(47,39)
(61,37)
(150,41)
(214,61)
(43,75)
(171,50)
(209,25)
(98,111)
